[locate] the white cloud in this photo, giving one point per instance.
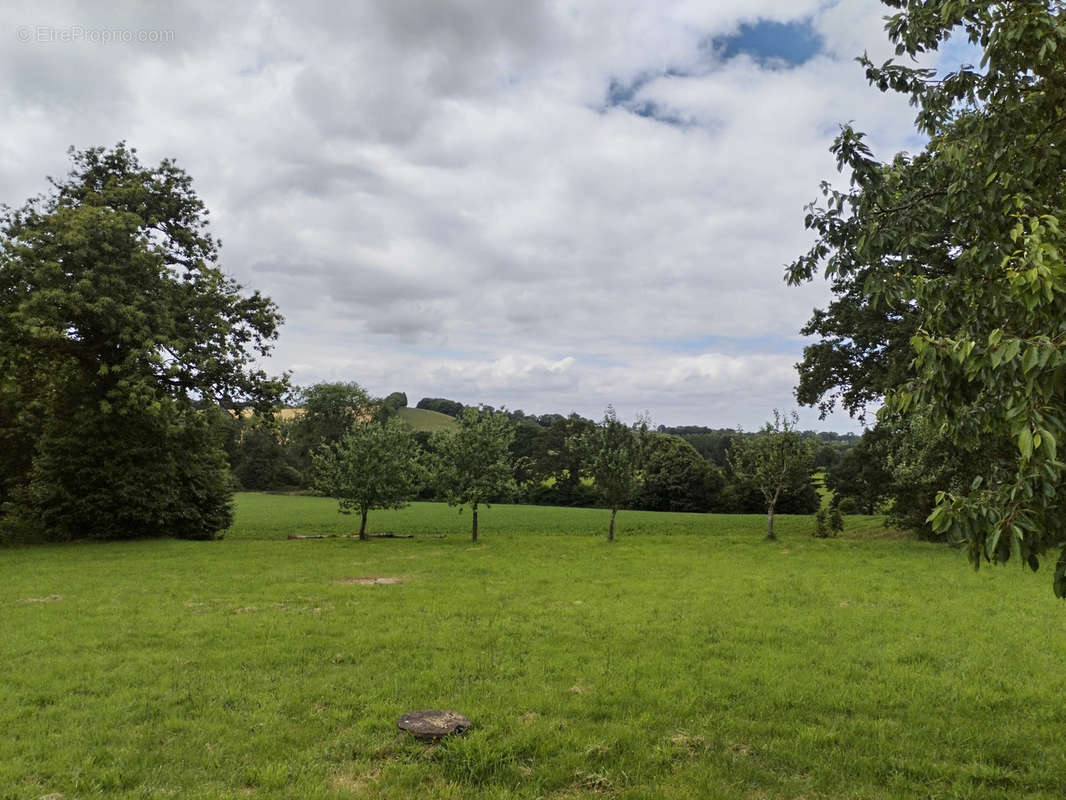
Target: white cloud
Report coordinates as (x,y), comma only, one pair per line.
(439,202)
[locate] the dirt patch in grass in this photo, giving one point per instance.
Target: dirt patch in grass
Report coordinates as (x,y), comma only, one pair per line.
(52,598)
(370,580)
(355,783)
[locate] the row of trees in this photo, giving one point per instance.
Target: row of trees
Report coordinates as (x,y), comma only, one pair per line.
(377,463)
(549,465)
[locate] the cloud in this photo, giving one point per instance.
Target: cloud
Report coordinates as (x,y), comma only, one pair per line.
(522,203)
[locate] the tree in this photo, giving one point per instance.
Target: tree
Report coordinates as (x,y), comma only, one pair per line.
(118,332)
(615,457)
(773,461)
(374,466)
(452,408)
(472,464)
(677,477)
(328,411)
(964,241)
(863,474)
(262,456)
(560,457)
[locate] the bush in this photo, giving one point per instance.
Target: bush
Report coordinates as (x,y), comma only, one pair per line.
(836,521)
(828,523)
(847,505)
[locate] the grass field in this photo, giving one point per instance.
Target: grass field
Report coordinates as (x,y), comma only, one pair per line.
(422,419)
(690,659)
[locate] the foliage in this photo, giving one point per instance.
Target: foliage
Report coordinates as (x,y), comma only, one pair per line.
(452,408)
(522,448)
(115,324)
(863,475)
(260,452)
(615,456)
(677,477)
(374,466)
(828,522)
(963,244)
(561,458)
(472,464)
(132,476)
(711,443)
(742,496)
(775,460)
(396,400)
(328,411)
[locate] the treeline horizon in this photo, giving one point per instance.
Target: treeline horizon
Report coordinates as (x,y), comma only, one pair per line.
(687,467)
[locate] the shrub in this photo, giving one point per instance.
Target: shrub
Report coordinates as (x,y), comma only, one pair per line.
(847,505)
(828,523)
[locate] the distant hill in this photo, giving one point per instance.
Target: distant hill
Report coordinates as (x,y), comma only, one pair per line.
(422,419)
(419,419)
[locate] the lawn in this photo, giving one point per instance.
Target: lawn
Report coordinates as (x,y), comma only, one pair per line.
(690,659)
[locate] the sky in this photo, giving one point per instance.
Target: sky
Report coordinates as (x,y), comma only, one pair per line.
(547,206)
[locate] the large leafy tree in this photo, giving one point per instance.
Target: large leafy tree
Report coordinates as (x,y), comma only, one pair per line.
(375,465)
(116,324)
(327,412)
(774,461)
(560,458)
(964,241)
(472,464)
(677,477)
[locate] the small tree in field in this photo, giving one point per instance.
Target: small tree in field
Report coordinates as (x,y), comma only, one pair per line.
(615,459)
(374,465)
(773,460)
(472,464)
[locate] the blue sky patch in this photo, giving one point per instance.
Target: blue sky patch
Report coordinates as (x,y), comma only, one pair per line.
(624,95)
(770,43)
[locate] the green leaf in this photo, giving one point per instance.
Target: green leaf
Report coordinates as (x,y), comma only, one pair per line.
(1025,444)
(1030,359)
(1049,444)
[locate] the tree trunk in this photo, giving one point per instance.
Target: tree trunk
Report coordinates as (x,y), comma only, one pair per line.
(770,536)
(473,508)
(610,530)
(362,526)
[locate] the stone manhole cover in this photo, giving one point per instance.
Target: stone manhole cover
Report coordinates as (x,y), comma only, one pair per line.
(433,724)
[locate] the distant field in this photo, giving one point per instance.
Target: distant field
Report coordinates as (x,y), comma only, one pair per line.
(689,659)
(419,419)
(424,420)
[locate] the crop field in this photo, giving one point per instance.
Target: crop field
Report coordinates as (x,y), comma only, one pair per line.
(422,419)
(688,659)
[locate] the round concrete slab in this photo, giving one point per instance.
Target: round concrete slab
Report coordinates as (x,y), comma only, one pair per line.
(433,723)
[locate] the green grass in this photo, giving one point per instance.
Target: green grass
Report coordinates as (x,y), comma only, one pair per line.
(422,419)
(825,495)
(690,659)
